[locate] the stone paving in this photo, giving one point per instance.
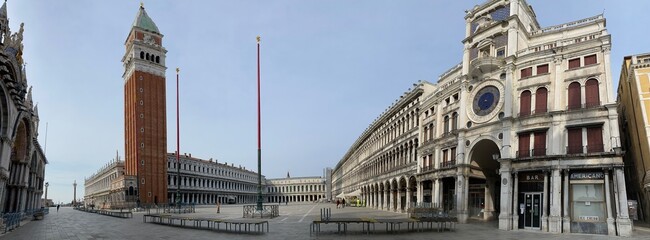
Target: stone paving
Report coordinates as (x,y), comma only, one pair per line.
(293,224)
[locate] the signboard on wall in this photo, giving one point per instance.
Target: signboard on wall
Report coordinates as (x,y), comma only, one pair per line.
(587,175)
(531,177)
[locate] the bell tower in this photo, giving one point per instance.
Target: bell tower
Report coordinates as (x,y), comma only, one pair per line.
(145,126)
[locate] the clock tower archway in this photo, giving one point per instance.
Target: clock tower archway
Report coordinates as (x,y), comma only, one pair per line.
(484,188)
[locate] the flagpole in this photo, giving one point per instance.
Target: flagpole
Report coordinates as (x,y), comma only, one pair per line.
(259,134)
(178,146)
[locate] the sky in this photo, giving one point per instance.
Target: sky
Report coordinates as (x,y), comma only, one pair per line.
(328,69)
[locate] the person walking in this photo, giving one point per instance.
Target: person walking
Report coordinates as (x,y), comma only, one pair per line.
(57,207)
(343,203)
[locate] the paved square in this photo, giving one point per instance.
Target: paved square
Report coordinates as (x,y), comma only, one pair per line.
(293,224)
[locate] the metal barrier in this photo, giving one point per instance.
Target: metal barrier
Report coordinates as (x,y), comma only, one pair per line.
(268,211)
(169,208)
(325,214)
(12,220)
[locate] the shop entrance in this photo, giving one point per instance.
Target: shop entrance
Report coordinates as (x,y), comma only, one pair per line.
(532,210)
(477,190)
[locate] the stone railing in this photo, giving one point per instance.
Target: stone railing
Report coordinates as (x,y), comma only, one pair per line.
(568,25)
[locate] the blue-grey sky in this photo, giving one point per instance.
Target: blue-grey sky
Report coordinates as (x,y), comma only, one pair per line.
(329,68)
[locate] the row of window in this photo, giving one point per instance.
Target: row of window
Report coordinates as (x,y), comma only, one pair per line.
(149,57)
(448,159)
(580,140)
(302,188)
(209,170)
(209,183)
(400,156)
(450,123)
(592,98)
(573,63)
(541,96)
(592,95)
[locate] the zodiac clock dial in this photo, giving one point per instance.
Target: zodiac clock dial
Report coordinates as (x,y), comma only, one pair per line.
(485,100)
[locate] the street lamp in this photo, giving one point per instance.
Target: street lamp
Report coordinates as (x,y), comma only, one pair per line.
(259,135)
(178,147)
(47,184)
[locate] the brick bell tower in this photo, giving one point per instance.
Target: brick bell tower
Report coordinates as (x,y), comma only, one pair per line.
(145,125)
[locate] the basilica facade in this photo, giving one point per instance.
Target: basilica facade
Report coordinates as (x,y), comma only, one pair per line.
(522,131)
(22,160)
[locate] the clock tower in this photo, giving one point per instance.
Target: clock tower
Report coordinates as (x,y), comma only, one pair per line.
(145,126)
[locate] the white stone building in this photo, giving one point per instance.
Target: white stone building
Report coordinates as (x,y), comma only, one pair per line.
(22,160)
(298,189)
(523,130)
(109,187)
(209,182)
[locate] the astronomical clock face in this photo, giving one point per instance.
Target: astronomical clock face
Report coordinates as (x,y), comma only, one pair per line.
(485,100)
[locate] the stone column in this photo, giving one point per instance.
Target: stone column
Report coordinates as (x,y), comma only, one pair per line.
(375,198)
(611,228)
(488,208)
(387,199)
(461,186)
(398,195)
(515,203)
(435,192)
(545,204)
(566,220)
(409,196)
(505,214)
(420,192)
(624,225)
(555,221)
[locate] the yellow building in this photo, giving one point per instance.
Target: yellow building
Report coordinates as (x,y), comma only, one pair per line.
(634,114)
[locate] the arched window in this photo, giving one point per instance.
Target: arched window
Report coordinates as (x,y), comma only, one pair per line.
(541,100)
(141,55)
(574,96)
(147,56)
(426,132)
(524,104)
(446,124)
(592,97)
(454,121)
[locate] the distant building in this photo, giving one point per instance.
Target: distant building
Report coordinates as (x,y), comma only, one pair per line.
(22,160)
(297,189)
(327,173)
(208,182)
(202,182)
(634,115)
(109,187)
(523,130)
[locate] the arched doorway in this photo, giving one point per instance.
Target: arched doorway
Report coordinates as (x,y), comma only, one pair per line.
(412,192)
(17,167)
(402,194)
(380,196)
(484,188)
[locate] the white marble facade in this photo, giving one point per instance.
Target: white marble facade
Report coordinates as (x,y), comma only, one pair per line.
(523,131)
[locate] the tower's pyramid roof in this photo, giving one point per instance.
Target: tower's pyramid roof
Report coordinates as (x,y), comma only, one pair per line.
(142,20)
